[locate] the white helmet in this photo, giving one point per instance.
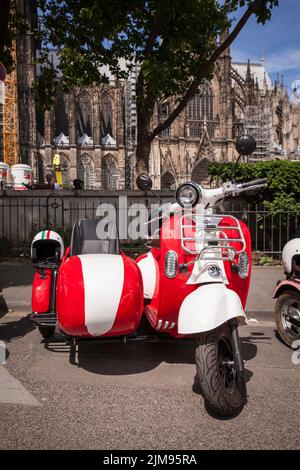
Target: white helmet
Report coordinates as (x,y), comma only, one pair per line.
(41,249)
(291,249)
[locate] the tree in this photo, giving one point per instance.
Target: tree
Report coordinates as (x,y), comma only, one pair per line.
(175,42)
(7,28)
(12,23)
(283,176)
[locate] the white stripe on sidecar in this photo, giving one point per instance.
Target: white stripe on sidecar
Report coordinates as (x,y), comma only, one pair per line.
(103,277)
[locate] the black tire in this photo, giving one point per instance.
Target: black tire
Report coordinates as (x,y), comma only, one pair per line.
(288,332)
(225,393)
(47,331)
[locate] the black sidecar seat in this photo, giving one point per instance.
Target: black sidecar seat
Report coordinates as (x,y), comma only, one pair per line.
(90,239)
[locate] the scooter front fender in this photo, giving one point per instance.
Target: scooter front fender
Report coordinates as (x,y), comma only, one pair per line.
(208,307)
(286,285)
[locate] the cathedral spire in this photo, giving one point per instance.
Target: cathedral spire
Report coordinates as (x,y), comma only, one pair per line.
(248,74)
(262,59)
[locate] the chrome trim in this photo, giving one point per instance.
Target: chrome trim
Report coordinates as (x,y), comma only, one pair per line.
(166,325)
(205,224)
(159,324)
(171,257)
(242,257)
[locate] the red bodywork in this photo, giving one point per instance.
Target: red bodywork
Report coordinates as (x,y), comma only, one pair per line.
(41,291)
(169,293)
(70,299)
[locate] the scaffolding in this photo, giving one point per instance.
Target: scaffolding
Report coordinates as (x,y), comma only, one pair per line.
(258,125)
(130,126)
(10,115)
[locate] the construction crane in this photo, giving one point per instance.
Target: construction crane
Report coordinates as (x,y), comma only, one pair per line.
(10,114)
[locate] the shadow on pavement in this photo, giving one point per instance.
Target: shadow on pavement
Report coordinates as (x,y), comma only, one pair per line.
(3,306)
(15,281)
(15,329)
(116,358)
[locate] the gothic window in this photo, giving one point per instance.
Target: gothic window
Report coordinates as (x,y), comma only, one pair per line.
(84,115)
(163,110)
(200,172)
(109,173)
(195,129)
(201,105)
(61,124)
(106,115)
(85,171)
(168,181)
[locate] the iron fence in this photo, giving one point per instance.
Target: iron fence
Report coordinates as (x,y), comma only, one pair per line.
(23,215)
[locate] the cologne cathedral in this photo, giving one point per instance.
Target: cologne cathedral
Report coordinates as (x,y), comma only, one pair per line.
(94,129)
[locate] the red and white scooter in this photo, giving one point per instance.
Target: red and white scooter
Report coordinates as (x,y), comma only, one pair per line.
(193,282)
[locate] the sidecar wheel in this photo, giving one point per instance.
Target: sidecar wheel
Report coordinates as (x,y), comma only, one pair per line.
(288,304)
(46,331)
(224,392)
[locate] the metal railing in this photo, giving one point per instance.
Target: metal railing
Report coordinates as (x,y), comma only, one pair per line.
(23,215)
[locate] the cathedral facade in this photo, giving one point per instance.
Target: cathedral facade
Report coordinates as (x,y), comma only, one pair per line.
(94,129)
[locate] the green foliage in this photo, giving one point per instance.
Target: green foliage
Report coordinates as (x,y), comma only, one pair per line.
(266,261)
(175,43)
(283,191)
(172,40)
(10,26)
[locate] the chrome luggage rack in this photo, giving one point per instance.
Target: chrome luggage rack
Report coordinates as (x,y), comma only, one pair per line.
(211,237)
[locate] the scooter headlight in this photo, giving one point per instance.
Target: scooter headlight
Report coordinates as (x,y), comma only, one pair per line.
(188,194)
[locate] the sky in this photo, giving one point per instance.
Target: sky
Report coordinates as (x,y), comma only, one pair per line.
(280,40)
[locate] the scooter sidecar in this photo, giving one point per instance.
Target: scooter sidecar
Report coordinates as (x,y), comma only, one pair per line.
(99,290)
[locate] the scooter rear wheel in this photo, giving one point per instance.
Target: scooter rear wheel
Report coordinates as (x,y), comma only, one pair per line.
(288,304)
(224,391)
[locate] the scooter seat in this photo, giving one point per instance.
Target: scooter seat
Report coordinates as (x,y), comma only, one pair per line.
(94,236)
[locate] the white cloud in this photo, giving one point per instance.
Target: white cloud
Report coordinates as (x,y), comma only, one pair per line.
(284,60)
(281,61)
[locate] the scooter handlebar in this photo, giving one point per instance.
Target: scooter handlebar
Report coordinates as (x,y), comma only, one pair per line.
(251,184)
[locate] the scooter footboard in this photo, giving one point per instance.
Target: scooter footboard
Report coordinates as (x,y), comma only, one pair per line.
(208,307)
(99,295)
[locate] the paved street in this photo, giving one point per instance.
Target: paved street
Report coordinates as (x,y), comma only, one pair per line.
(16,278)
(136,395)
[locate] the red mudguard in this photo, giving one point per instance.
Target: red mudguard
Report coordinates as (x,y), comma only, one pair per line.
(41,291)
